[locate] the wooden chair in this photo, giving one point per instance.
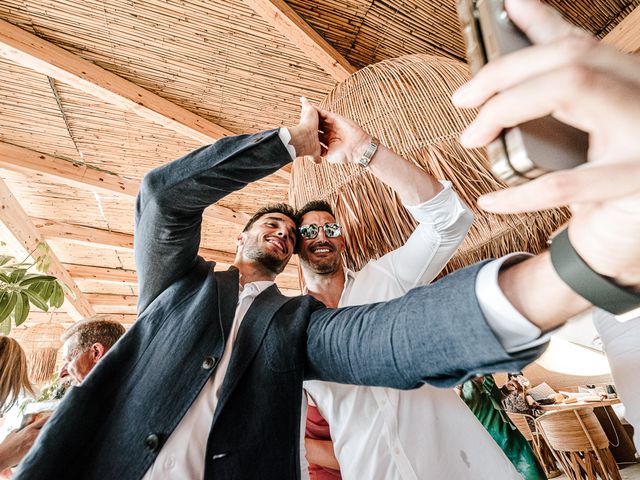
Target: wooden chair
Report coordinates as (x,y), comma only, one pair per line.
(579,444)
(540,448)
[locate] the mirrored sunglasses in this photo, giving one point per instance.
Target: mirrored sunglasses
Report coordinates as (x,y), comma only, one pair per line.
(331,230)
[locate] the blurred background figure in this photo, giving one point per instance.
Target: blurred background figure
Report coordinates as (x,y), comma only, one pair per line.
(85,343)
(14,381)
(484,399)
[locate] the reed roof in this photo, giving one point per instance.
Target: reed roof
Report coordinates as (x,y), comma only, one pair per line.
(218,67)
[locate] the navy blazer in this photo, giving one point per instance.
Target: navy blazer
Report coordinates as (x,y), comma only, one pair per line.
(115,423)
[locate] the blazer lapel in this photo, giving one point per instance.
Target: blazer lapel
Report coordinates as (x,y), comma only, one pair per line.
(252,331)
(228,286)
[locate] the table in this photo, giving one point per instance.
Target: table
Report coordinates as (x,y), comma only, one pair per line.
(606,402)
(620,442)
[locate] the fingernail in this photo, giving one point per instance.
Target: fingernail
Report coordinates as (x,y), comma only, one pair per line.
(460,95)
(303,99)
(486,201)
(470,135)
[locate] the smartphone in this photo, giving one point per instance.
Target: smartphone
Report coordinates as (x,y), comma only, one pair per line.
(533,148)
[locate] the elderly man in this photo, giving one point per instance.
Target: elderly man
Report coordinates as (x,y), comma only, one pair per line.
(85,343)
(226,352)
(380,433)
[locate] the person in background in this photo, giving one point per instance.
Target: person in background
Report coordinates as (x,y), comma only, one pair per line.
(85,344)
(14,381)
(483,397)
(516,400)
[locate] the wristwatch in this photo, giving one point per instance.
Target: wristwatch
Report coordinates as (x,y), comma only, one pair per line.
(599,290)
(365,159)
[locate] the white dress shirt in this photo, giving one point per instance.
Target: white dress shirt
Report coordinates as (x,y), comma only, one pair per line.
(426,433)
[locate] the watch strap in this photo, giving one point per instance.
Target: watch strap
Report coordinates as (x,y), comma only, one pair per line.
(368,154)
(599,290)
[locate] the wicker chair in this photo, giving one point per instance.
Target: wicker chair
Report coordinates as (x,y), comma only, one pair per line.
(579,444)
(540,448)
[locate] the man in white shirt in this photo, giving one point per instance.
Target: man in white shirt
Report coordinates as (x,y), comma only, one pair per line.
(381,433)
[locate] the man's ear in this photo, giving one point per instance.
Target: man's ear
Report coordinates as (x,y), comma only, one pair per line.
(97,351)
(240,239)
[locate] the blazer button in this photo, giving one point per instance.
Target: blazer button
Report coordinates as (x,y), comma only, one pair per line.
(152,442)
(208,363)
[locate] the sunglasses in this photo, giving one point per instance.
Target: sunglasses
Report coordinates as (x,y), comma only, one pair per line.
(331,230)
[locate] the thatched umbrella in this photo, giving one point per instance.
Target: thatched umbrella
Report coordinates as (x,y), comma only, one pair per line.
(406,103)
(41,344)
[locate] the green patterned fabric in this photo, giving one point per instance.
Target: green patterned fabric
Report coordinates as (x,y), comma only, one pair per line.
(483,398)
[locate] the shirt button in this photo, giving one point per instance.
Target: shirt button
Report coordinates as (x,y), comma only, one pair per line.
(396,451)
(169,463)
(152,442)
(208,363)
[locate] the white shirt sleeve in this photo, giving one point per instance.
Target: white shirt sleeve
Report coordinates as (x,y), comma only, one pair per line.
(514,331)
(444,221)
(285,138)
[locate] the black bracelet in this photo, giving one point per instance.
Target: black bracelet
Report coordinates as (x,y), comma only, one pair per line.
(599,290)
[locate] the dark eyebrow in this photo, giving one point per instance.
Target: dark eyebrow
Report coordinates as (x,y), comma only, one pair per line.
(292,230)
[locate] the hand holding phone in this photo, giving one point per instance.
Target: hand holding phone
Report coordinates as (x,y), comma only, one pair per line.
(537,146)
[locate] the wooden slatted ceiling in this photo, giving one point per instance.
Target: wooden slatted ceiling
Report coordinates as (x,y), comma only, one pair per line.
(217,59)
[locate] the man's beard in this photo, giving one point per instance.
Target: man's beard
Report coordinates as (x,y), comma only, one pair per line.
(269,261)
(324,266)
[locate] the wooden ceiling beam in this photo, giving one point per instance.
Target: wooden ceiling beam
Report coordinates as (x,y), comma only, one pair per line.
(626,35)
(98,236)
(24,160)
(44,57)
(284,19)
(112,300)
(18,223)
(102,274)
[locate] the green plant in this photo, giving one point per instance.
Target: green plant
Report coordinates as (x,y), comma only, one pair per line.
(20,289)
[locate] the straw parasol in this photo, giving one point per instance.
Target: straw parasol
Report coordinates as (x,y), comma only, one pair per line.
(405,102)
(41,344)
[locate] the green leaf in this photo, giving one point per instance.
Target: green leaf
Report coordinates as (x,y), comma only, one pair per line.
(57,299)
(8,308)
(4,278)
(22,308)
(4,259)
(37,300)
(5,326)
(47,291)
(17,275)
(30,279)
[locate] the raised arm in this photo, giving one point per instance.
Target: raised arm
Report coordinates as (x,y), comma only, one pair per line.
(443,220)
(435,334)
(172,198)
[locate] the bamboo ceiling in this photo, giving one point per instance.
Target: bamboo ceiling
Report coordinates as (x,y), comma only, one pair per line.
(224,61)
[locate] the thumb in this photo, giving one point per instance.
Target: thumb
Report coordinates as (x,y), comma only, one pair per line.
(308,114)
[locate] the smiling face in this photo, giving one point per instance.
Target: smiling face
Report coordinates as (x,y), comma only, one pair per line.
(269,241)
(322,254)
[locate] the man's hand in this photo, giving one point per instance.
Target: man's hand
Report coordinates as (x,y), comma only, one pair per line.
(304,136)
(344,141)
(17,443)
(589,85)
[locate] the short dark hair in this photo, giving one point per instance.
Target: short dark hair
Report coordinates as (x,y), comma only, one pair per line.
(315,206)
(283,208)
(94,329)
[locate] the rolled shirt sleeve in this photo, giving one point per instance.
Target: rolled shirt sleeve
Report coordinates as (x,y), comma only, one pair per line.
(512,329)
